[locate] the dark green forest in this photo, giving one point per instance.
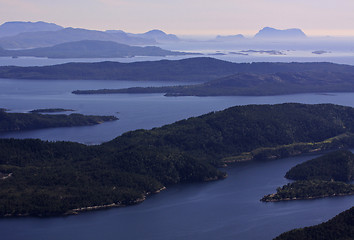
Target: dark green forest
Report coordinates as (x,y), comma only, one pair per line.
(341,227)
(52,178)
(201,69)
(30,121)
(337,166)
(252,84)
(310,189)
(325,176)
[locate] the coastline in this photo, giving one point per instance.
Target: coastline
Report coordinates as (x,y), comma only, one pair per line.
(307,198)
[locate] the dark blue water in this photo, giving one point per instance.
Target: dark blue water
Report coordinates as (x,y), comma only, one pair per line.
(227,209)
(134,111)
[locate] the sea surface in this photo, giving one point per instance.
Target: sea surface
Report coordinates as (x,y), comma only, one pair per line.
(226,209)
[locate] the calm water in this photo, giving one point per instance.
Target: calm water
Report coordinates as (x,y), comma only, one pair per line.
(134,111)
(294,56)
(228,209)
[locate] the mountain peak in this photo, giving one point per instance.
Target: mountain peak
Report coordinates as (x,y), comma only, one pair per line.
(156,32)
(273,33)
(159,36)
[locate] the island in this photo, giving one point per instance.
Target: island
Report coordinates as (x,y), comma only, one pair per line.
(269,33)
(339,227)
(91,49)
(30,121)
(270,52)
(319,52)
(58,178)
(252,84)
(325,176)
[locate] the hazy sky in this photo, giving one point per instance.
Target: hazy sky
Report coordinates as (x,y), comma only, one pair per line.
(189,17)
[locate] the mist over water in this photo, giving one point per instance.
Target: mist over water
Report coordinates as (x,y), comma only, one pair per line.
(336,50)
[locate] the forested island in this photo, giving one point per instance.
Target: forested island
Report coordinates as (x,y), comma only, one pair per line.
(35,120)
(325,176)
(252,84)
(199,69)
(56,178)
(339,227)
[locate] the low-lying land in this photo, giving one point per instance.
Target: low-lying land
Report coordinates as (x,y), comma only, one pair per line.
(51,110)
(310,189)
(30,121)
(55,178)
(90,49)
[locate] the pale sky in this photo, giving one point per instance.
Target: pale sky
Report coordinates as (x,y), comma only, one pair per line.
(188,17)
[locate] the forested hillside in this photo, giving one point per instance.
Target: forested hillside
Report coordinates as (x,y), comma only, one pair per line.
(341,227)
(50,178)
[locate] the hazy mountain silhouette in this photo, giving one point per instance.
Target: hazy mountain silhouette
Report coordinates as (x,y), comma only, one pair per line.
(90,49)
(272,33)
(14,28)
(51,38)
(230,37)
(156,35)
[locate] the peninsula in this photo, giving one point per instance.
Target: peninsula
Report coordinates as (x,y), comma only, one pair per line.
(325,176)
(30,121)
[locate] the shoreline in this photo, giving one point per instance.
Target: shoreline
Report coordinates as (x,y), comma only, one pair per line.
(307,198)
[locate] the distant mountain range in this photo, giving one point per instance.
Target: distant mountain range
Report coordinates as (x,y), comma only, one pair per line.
(23,35)
(267,33)
(230,37)
(50,38)
(272,33)
(14,28)
(90,49)
(155,35)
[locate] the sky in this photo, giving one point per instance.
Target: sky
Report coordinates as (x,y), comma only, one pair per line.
(189,17)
